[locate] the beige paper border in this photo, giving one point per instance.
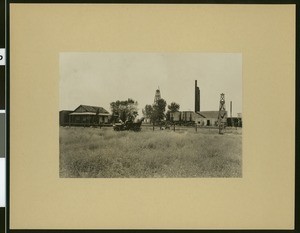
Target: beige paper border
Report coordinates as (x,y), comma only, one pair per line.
(263,198)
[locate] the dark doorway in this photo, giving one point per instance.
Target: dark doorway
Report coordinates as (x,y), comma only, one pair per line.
(208,123)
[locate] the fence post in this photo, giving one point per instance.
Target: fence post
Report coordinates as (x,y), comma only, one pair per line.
(174,127)
(153,126)
(196,126)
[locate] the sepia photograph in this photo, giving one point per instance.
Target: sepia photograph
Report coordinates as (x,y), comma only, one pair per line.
(150,115)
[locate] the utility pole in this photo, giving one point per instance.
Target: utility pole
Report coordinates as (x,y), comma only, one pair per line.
(232,122)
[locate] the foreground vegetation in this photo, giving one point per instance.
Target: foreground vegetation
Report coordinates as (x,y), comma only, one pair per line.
(94,152)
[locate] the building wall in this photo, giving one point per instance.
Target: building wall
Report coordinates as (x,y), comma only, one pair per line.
(64,117)
(187,116)
(103,119)
(88,119)
(234,122)
(211,121)
(206,121)
(200,121)
(175,116)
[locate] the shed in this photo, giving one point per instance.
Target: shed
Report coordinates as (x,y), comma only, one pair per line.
(64,117)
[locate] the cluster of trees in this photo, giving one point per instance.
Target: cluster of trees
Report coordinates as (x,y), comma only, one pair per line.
(124,110)
(157,112)
(128,110)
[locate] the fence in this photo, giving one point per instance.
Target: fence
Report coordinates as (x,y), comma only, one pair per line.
(86,124)
(194,128)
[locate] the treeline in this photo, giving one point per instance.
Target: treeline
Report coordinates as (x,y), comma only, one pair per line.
(127,110)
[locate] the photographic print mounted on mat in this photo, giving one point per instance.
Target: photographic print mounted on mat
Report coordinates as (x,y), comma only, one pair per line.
(150,115)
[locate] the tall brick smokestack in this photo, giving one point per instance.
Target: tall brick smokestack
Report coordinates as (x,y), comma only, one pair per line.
(197,97)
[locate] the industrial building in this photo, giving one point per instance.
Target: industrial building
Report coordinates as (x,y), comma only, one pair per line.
(203,118)
(207,118)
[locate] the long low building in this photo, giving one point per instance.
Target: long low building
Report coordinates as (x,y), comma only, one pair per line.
(202,118)
(84,115)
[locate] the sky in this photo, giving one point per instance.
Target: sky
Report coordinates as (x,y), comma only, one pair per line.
(97,79)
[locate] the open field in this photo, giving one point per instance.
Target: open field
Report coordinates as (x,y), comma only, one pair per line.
(95,152)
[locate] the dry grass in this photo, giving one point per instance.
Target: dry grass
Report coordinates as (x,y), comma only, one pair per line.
(94,152)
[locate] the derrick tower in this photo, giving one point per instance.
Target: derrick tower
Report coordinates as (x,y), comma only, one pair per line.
(222,114)
(157,95)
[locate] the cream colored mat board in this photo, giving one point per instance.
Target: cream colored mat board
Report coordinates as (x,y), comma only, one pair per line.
(262,199)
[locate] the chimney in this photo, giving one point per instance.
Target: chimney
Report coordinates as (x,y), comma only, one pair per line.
(230,108)
(197,97)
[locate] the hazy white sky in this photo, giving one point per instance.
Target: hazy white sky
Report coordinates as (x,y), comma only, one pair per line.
(101,78)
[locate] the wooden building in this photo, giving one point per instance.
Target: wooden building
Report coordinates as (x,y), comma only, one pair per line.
(85,115)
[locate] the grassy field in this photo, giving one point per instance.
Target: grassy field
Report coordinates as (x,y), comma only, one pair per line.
(95,152)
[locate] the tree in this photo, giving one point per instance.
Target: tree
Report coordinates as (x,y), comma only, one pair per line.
(155,112)
(159,109)
(125,110)
(173,107)
(148,111)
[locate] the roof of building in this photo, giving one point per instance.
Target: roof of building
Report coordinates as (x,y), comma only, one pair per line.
(67,111)
(209,114)
(199,115)
(186,111)
(93,109)
(89,113)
